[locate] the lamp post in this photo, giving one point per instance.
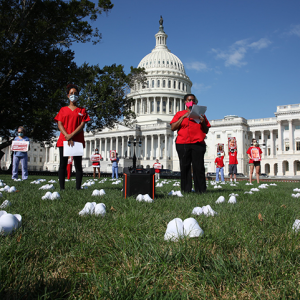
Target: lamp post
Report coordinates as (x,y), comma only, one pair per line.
(134,157)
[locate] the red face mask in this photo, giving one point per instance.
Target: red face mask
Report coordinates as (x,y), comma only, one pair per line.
(189,104)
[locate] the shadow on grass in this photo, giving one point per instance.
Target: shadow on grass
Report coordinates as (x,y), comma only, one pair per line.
(55,288)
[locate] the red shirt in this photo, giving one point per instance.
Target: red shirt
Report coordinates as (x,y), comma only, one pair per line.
(189,132)
(70,121)
(219,162)
(257,153)
(233,158)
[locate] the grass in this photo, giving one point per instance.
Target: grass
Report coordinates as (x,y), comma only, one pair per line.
(57,254)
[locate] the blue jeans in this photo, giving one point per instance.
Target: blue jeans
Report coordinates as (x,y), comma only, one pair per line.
(222,174)
(15,167)
(115,171)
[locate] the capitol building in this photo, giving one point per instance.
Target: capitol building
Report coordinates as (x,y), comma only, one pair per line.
(156,103)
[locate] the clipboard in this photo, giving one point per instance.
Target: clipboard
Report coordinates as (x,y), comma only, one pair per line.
(76,150)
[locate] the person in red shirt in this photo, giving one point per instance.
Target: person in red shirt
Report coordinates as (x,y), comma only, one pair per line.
(157,167)
(220,166)
(254,155)
(71,120)
(96,164)
(190,146)
(69,167)
(232,159)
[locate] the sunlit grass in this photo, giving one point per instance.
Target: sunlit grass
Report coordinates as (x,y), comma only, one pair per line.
(58,254)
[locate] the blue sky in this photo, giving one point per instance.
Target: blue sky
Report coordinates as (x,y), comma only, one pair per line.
(242,56)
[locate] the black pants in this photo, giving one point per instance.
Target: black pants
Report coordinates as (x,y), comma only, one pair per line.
(192,154)
(62,169)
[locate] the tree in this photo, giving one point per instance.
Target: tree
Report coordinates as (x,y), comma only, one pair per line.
(104,95)
(36,62)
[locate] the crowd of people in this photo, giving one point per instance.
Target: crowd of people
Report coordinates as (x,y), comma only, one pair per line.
(190,146)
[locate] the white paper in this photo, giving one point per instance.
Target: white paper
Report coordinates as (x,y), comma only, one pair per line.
(196,111)
(20,146)
(76,150)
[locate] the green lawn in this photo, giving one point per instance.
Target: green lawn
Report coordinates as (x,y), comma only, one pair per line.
(58,254)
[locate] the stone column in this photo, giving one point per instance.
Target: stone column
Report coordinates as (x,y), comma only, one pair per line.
(135,106)
(122,147)
(100,147)
(105,149)
(152,147)
(46,148)
(167,107)
(291,139)
(158,146)
(148,106)
(166,155)
(146,147)
(253,135)
(174,106)
(117,145)
(180,104)
(279,140)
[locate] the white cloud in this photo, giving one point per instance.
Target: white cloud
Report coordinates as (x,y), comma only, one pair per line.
(235,54)
(196,65)
(260,44)
(200,87)
(295,30)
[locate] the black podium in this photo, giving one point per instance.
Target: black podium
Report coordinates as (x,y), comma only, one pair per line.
(138,181)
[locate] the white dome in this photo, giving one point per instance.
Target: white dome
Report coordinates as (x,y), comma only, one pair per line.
(162,59)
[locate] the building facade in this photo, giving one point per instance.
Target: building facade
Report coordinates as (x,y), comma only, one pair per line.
(156,103)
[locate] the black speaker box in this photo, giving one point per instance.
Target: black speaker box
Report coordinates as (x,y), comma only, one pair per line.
(138,181)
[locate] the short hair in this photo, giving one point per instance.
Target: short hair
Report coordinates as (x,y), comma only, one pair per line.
(72,86)
(187,95)
(23,129)
(253,140)
(96,149)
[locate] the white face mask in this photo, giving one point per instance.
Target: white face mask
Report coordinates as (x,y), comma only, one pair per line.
(73,98)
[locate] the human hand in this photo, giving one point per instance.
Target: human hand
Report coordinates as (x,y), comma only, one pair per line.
(68,137)
(70,143)
(202,119)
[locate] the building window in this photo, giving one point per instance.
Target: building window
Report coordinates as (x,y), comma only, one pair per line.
(286,127)
(276,136)
(297,127)
(164,106)
(218,136)
(152,106)
(298,165)
(41,150)
(287,168)
(259,137)
(298,146)
(269,151)
(34,159)
(268,137)
(287,146)
(158,106)
(183,86)
(158,83)
(148,84)
(34,149)
(174,85)
(41,159)
(179,85)
(153,83)
(169,84)
(164,83)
